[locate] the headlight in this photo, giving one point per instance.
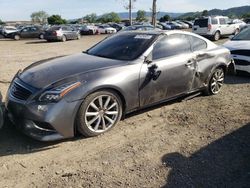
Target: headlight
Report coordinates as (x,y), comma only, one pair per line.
(58,93)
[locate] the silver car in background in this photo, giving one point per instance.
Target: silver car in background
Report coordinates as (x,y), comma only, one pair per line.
(90,92)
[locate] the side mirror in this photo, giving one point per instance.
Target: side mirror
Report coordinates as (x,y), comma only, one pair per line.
(231,37)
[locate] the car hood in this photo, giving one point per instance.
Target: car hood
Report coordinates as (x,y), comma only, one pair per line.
(43,73)
(237,45)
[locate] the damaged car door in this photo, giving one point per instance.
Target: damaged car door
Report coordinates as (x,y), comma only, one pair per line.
(168,71)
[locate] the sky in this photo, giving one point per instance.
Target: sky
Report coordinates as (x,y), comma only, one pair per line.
(17,10)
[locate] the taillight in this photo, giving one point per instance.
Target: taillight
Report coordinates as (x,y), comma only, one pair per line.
(54,33)
(209,27)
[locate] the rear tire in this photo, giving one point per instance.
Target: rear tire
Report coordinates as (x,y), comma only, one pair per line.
(216,36)
(99,113)
(215,83)
(64,39)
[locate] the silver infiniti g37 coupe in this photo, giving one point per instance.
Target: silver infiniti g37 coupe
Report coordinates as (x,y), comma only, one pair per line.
(90,92)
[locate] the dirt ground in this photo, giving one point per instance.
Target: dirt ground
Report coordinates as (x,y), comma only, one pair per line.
(201,142)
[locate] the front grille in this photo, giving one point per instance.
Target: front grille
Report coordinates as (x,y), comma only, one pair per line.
(241,52)
(241,62)
(19,92)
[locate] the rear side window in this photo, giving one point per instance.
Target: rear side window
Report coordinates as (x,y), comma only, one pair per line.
(214,21)
(222,21)
(171,45)
(197,43)
(201,22)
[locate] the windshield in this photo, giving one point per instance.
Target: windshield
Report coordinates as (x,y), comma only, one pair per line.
(54,28)
(201,22)
(126,46)
(243,35)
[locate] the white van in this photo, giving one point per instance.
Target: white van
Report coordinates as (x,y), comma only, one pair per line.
(215,26)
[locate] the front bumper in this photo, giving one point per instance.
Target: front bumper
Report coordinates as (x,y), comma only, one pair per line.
(43,122)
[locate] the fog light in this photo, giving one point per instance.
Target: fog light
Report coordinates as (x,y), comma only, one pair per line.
(43,108)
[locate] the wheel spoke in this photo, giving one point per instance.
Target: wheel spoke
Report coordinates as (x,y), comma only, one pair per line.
(103,123)
(97,124)
(91,113)
(107,102)
(111,112)
(112,106)
(94,106)
(100,101)
(93,120)
(109,119)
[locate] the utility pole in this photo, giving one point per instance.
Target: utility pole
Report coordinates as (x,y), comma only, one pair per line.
(130,12)
(154,13)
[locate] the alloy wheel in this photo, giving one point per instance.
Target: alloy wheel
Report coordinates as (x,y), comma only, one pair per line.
(217,81)
(102,113)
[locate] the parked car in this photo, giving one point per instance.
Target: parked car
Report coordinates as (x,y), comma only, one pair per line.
(88,30)
(239,46)
(165,26)
(214,27)
(8,29)
(91,91)
(118,27)
(183,25)
(140,28)
(1,112)
(61,33)
(190,24)
(27,32)
(106,29)
(241,24)
(174,25)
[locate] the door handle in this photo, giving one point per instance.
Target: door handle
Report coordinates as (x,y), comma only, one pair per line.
(190,62)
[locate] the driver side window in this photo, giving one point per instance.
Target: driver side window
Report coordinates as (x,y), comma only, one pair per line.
(171,45)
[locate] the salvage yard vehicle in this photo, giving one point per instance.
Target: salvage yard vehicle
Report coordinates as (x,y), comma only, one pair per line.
(27,32)
(89,30)
(215,26)
(106,29)
(90,92)
(61,33)
(1,112)
(239,46)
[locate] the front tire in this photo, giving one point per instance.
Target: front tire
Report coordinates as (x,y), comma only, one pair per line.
(41,36)
(216,81)
(99,113)
(17,37)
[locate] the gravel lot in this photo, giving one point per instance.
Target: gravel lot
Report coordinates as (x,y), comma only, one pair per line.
(201,142)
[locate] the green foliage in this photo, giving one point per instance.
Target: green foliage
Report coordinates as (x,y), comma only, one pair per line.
(204,13)
(141,16)
(246,15)
(90,18)
(39,17)
(1,22)
(56,20)
(165,18)
(109,17)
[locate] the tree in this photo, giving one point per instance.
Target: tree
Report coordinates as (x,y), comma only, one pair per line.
(1,22)
(154,13)
(245,16)
(39,17)
(109,17)
(90,18)
(56,20)
(204,13)
(165,18)
(141,16)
